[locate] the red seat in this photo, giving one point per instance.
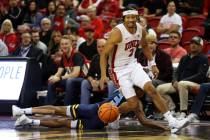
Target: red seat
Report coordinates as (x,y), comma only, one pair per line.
(186,46)
(206,47)
(189,33)
(184,21)
(196,21)
(153,22)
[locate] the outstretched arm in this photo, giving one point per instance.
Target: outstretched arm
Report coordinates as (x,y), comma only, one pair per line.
(146,122)
(114,38)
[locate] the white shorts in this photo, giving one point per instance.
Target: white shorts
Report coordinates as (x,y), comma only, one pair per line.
(128,76)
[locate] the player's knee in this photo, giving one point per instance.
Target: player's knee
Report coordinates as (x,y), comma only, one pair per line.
(150,90)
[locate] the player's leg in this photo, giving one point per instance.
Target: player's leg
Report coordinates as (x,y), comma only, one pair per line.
(46,110)
(141,79)
(128,92)
(49,122)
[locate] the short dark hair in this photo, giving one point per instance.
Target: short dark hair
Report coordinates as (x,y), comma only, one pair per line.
(176,32)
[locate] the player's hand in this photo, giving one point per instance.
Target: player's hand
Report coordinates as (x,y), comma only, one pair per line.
(155,71)
(102,82)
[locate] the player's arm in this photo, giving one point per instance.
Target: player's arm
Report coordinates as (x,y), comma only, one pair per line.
(146,122)
(114,38)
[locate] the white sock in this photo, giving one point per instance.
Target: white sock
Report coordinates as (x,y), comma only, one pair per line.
(27,110)
(68,112)
(169,116)
(36,122)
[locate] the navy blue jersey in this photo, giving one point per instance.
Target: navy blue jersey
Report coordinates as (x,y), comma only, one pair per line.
(87,114)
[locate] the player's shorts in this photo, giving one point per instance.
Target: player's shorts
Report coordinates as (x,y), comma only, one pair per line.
(126,77)
(86,117)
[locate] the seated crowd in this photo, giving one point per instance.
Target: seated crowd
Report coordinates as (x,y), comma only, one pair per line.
(68,36)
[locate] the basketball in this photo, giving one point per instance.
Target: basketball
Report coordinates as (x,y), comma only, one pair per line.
(108,112)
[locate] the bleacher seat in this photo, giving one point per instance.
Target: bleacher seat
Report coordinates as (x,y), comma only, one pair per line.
(188,34)
(154,22)
(196,21)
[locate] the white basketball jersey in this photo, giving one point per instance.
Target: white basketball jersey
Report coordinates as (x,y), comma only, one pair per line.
(124,51)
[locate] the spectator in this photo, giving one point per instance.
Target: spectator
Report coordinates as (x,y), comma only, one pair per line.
(162,59)
(3,49)
(175,51)
(153,8)
(191,71)
(37,43)
(54,43)
(8,36)
(191,8)
(71,63)
(85,4)
(137,3)
(70,9)
(112,23)
(89,47)
(78,39)
(15,13)
(46,31)
(51,8)
(32,16)
(144,24)
(199,99)
(96,22)
(169,22)
(3,12)
(54,56)
(61,21)
(108,8)
(84,22)
(26,48)
(91,84)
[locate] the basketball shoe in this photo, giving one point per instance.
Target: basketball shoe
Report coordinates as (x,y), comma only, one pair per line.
(115,124)
(177,125)
(16,111)
(23,120)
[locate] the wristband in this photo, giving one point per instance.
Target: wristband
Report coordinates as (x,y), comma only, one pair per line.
(151,63)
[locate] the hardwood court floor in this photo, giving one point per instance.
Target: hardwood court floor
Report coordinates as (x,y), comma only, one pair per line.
(130,130)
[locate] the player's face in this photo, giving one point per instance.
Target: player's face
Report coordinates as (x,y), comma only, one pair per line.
(130,21)
(65,45)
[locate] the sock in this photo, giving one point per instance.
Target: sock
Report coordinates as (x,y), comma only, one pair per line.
(68,112)
(169,116)
(36,122)
(27,110)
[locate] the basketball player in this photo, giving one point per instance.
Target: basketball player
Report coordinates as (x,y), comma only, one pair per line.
(83,116)
(126,72)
